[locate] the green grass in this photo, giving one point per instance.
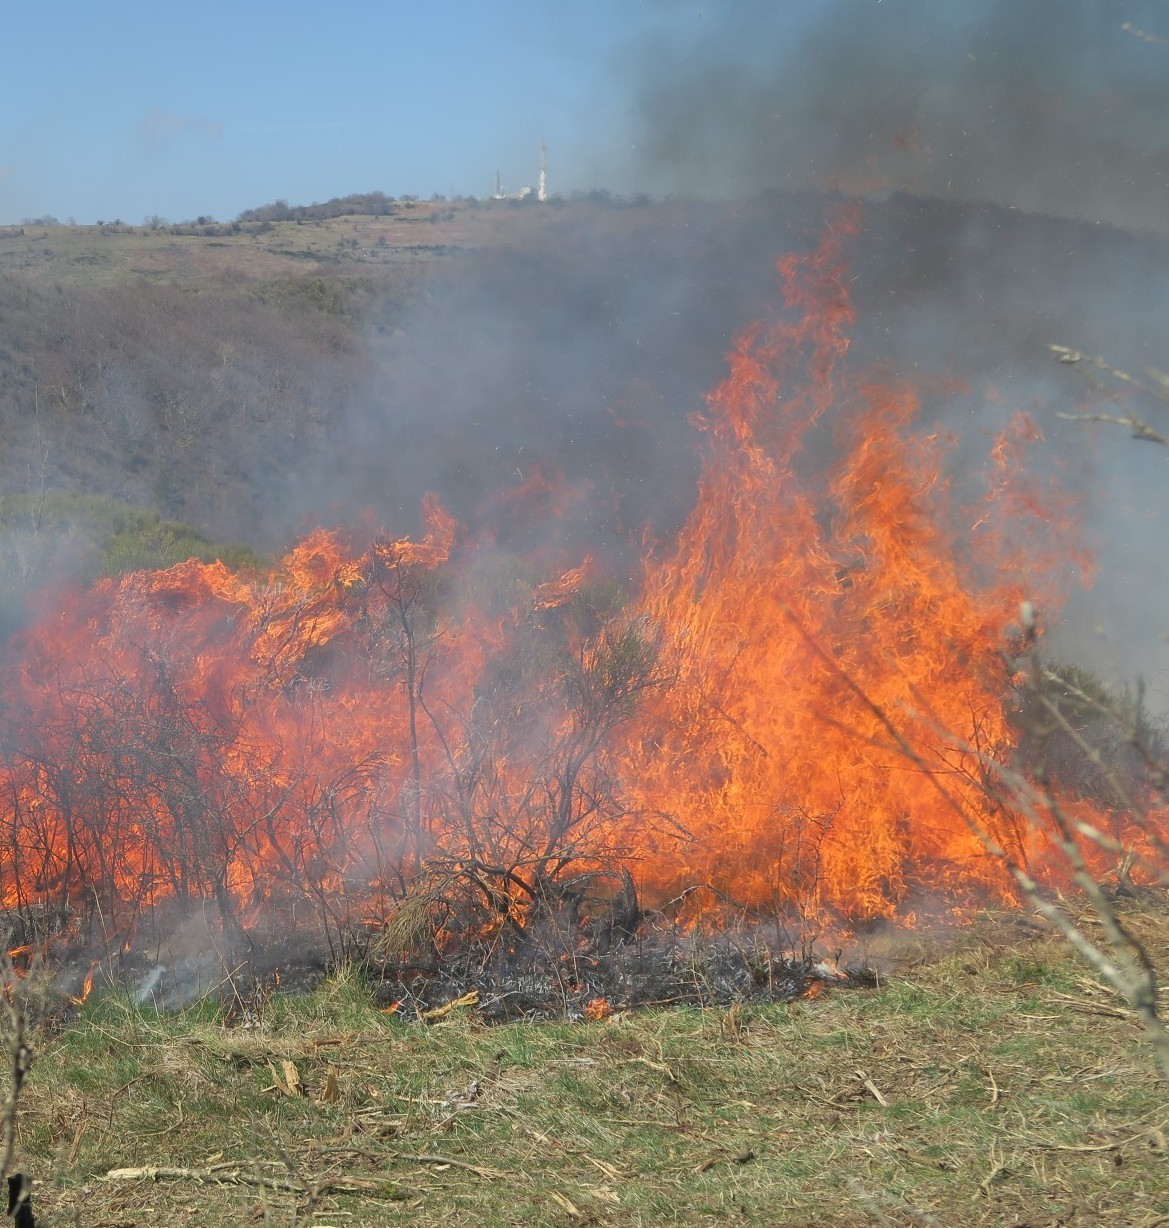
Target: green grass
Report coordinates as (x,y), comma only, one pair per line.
(113,537)
(104,256)
(1006,1101)
(86,537)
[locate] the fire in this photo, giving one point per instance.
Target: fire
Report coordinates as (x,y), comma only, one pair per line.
(803,601)
(388,721)
(86,987)
(596,1009)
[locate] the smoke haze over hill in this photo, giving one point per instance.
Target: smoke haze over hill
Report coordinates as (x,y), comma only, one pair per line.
(1007,152)
(1056,106)
(579,349)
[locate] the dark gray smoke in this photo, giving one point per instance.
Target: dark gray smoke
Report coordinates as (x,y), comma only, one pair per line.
(586,349)
(1040,109)
(1056,106)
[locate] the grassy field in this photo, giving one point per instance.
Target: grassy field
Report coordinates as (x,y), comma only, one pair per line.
(996,1084)
(175,375)
(420,233)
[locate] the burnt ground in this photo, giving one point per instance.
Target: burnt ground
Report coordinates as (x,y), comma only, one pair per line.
(555,975)
(990,1082)
(652,970)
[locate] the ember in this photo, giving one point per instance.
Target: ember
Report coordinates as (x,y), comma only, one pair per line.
(419,751)
(597,1008)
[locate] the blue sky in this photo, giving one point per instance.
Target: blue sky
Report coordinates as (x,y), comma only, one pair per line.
(134,109)
(130,110)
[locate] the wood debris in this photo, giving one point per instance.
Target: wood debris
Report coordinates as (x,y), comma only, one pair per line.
(239,1174)
(441,1012)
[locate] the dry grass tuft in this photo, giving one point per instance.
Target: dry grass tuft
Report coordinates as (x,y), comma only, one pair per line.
(998,1084)
(410,925)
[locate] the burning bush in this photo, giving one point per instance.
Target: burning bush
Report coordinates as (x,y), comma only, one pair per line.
(333,731)
(370,720)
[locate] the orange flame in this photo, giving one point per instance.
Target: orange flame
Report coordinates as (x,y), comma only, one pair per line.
(803,602)
(596,1009)
(86,987)
(336,727)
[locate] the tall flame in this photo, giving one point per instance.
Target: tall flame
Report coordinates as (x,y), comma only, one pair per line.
(804,600)
(364,718)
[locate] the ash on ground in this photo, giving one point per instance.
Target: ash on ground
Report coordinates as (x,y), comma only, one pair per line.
(651,970)
(554,974)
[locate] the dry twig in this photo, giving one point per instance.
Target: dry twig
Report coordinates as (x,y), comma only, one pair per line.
(450,1162)
(237,1174)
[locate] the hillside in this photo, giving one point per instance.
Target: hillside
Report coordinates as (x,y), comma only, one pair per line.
(135,361)
(195,369)
(257,378)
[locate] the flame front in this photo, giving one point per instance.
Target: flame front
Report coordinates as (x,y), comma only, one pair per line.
(806,602)
(367,720)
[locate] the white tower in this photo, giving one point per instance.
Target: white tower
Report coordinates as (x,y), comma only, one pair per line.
(542,189)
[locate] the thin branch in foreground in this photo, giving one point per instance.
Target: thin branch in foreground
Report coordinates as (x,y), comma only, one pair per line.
(1139,427)
(1145,36)
(237,1174)
(1158,389)
(1121,960)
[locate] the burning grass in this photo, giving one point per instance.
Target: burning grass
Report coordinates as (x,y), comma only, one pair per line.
(379,715)
(993,1085)
(490,773)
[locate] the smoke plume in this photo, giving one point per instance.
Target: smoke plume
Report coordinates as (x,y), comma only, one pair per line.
(1055,106)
